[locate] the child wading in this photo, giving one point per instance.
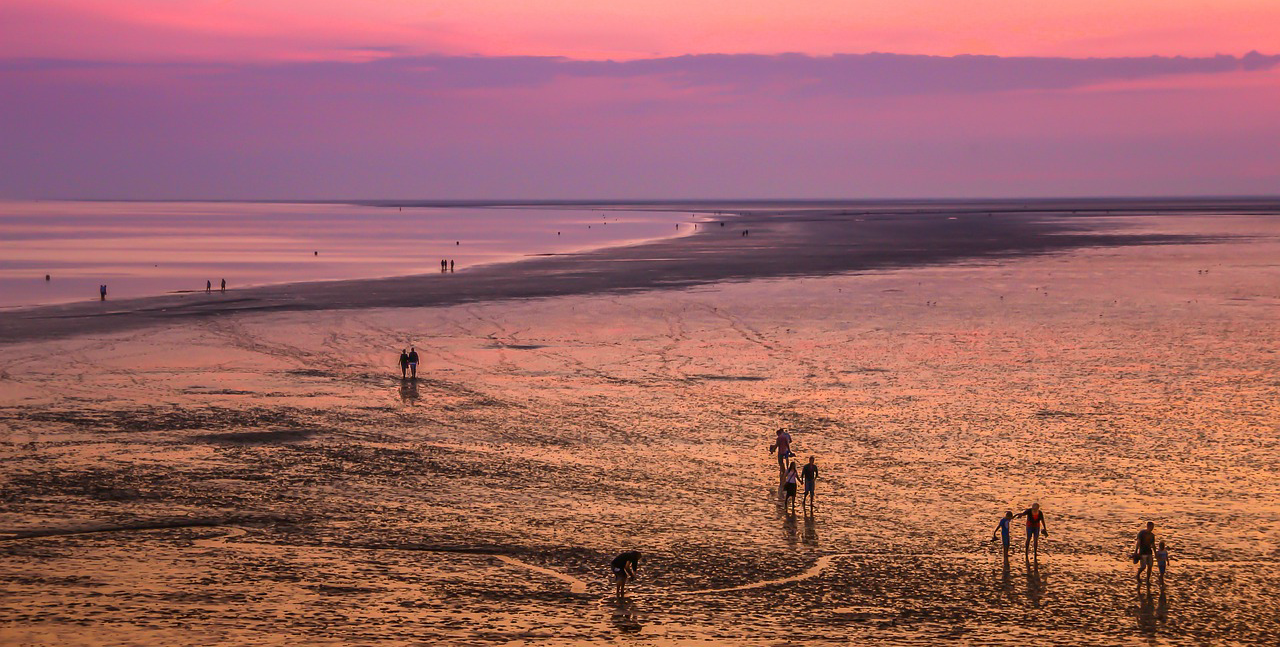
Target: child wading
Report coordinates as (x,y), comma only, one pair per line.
(1002,529)
(1162,560)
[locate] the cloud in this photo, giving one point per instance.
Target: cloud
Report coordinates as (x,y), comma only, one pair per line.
(855,75)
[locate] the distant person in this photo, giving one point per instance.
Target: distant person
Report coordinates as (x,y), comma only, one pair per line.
(102,292)
(208,286)
(790,485)
(224,285)
(404,364)
(451,265)
(1035,525)
(413,362)
(1162,560)
(624,568)
(1002,529)
(1144,550)
(782,444)
(810,474)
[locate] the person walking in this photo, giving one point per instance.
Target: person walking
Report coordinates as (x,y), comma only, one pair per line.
(624,568)
(413,362)
(790,486)
(810,473)
(404,364)
(1002,529)
(1143,551)
(1162,561)
(782,445)
(1035,525)
(224,285)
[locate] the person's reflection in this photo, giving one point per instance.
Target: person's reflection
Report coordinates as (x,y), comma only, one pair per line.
(1006,578)
(1162,607)
(1035,582)
(625,617)
(1146,612)
(789,527)
(810,528)
(409,391)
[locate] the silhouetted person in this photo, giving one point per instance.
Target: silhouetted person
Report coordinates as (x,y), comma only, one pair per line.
(1035,525)
(224,285)
(451,265)
(789,482)
(404,364)
(102,292)
(413,362)
(624,568)
(208,286)
(1002,529)
(782,444)
(1144,551)
(810,473)
(444,265)
(1162,561)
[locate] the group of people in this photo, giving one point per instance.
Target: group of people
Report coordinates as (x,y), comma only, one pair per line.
(1147,550)
(790,475)
(208,286)
(446,265)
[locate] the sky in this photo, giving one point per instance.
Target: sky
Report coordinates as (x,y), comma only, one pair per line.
(332,99)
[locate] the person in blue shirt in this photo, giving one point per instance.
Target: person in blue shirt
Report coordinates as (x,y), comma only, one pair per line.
(1002,529)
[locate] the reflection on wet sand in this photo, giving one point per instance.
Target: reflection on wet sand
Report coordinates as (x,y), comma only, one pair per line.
(409,391)
(563,430)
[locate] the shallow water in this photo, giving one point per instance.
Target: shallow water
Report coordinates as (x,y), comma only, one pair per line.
(481,503)
(145,248)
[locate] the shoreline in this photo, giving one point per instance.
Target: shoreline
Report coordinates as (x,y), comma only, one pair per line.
(780,241)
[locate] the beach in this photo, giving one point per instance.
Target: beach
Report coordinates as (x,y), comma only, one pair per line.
(249,467)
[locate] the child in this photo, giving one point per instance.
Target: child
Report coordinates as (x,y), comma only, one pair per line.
(1002,529)
(1162,560)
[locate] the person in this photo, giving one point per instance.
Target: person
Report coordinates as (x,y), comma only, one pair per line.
(1162,560)
(208,286)
(451,265)
(413,362)
(790,485)
(102,291)
(444,265)
(782,444)
(404,364)
(1035,525)
(224,285)
(1143,549)
(810,474)
(1002,529)
(624,568)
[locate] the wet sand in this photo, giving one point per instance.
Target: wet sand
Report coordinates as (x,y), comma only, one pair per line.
(266,477)
(757,240)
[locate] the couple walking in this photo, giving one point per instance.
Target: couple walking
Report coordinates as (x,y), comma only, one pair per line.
(408,363)
(788,473)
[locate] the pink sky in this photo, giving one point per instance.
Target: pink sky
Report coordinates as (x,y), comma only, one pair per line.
(413,98)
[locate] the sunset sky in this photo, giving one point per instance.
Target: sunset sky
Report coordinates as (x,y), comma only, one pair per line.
(637,99)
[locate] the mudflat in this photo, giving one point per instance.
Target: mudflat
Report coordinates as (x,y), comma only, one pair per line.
(252,468)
